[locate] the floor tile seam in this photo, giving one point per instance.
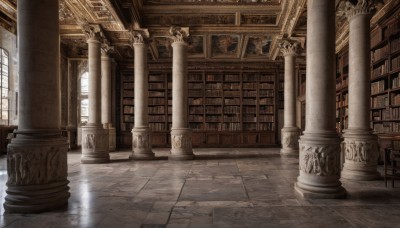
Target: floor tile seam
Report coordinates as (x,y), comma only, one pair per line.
(245,189)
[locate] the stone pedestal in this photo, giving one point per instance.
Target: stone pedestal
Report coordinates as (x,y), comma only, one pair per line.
(141,133)
(361,153)
(290,141)
(95,146)
(181,135)
(319,147)
(360,144)
(181,142)
(141,144)
(37,157)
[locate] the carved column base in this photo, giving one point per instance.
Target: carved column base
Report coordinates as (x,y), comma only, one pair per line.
(290,141)
(94,144)
(361,155)
(37,172)
(72,137)
(111,136)
(181,143)
(141,144)
(319,161)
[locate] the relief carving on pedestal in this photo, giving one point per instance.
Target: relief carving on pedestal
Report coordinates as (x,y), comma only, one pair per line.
(364,152)
(95,141)
(33,166)
(181,141)
(290,140)
(320,160)
(141,140)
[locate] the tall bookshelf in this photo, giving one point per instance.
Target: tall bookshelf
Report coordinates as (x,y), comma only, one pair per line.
(385,77)
(342,79)
(127,109)
(225,108)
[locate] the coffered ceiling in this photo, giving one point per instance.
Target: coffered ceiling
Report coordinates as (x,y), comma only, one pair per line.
(220,30)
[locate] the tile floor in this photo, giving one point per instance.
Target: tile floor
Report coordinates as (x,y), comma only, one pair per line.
(221,188)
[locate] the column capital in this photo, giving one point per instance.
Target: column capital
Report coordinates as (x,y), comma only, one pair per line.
(92,31)
(179,34)
(289,47)
(349,9)
(141,36)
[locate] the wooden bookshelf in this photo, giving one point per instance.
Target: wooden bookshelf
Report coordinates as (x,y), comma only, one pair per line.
(342,77)
(385,76)
(225,108)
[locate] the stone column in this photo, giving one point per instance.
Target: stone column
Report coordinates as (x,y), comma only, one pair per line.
(37,157)
(360,144)
(106,97)
(181,135)
(290,132)
(94,137)
(319,156)
(141,133)
(72,104)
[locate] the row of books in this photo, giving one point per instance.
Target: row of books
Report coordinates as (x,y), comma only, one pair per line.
(379,53)
(378,87)
(379,101)
(395,63)
(380,70)
(387,127)
(396,82)
(380,114)
(395,99)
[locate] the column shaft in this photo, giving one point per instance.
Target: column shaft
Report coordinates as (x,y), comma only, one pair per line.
(181,135)
(95,143)
(72,104)
(360,144)
(106,100)
(94,81)
(141,134)
(319,157)
(37,157)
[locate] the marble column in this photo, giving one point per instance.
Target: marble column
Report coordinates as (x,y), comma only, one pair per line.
(94,137)
(360,144)
(141,133)
(181,135)
(319,147)
(72,104)
(37,157)
(106,98)
(290,132)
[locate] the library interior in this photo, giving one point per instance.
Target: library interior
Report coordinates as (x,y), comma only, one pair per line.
(200,113)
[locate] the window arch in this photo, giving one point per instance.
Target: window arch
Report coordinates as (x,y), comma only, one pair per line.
(84,98)
(4,73)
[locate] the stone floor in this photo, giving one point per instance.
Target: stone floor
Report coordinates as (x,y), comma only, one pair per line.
(221,188)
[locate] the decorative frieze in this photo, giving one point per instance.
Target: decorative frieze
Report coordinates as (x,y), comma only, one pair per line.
(36,165)
(141,140)
(321,160)
(95,141)
(361,151)
(181,141)
(290,139)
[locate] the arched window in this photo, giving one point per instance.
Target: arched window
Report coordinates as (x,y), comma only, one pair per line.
(84,98)
(4,86)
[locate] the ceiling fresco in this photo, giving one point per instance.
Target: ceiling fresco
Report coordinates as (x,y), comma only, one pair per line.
(220,30)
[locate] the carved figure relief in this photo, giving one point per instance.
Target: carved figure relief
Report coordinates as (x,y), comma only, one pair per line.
(140,140)
(181,141)
(94,141)
(36,166)
(320,160)
(361,151)
(290,140)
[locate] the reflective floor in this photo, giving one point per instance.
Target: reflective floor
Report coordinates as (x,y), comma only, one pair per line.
(221,188)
